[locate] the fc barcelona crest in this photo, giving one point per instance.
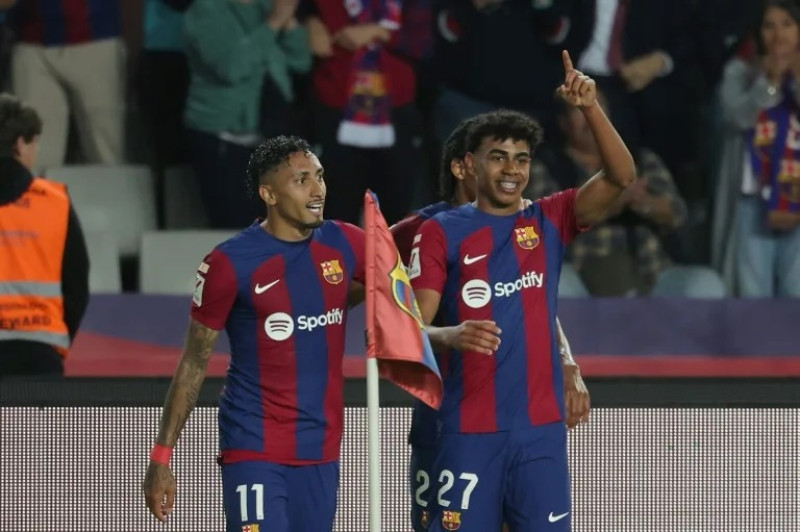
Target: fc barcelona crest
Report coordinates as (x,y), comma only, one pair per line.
(403,294)
(332,271)
(526,237)
(451,520)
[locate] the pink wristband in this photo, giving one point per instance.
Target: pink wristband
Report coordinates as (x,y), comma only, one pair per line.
(161,454)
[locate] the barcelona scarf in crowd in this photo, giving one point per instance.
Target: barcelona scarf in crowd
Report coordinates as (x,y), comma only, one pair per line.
(775,156)
(367,121)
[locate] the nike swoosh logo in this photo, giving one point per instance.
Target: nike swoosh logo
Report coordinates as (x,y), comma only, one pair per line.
(553,518)
(262,289)
(472,260)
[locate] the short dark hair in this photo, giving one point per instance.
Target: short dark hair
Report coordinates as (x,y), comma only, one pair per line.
(790,6)
(501,125)
(16,120)
(455,147)
(269,155)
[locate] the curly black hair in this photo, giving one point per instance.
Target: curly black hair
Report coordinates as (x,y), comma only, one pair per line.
(16,120)
(501,125)
(269,155)
(455,147)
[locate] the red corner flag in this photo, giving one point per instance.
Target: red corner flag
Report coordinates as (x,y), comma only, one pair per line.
(395,332)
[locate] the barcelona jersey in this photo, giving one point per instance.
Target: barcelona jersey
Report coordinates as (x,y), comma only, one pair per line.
(283,306)
(505,269)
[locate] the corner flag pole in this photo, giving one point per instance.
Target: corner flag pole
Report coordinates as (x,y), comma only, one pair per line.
(373,407)
(373,390)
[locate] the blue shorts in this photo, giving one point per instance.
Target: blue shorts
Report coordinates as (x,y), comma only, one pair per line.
(280,498)
(419,475)
(520,477)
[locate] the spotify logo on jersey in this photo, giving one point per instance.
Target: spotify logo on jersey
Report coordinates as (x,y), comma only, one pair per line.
(476,293)
(279,326)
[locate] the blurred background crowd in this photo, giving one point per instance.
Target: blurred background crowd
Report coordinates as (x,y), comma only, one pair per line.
(704,92)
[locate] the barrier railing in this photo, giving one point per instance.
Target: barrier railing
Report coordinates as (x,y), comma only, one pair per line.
(658,455)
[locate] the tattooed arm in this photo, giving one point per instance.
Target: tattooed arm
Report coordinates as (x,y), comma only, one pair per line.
(215,293)
(186,383)
(159,483)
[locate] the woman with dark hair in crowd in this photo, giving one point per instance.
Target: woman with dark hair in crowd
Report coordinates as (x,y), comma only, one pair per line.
(756,238)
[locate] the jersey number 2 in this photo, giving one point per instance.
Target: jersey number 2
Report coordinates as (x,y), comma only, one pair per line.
(446,481)
(258,489)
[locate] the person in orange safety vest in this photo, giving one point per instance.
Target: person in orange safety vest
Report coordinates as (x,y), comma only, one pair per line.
(44,265)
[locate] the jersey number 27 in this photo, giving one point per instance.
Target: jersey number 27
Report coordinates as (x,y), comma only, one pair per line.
(446,481)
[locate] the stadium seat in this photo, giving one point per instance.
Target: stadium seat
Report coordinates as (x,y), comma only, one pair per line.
(570,284)
(169,259)
(105,274)
(699,282)
(119,199)
(183,208)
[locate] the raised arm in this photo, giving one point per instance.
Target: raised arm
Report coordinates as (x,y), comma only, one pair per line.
(745,91)
(215,38)
(597,196)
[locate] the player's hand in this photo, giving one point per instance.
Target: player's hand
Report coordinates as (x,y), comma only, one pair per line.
(477,336)
(640,72)
(319,38)
(524,203)
(577,400)
(783,221)
(578,89)
(357,36)
(283,11)
(636,193)
(159,490)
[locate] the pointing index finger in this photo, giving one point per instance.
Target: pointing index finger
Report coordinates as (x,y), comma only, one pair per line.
(567,61)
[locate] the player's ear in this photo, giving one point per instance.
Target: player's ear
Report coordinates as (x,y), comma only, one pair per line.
(457,168)
(469,162)
(267,194)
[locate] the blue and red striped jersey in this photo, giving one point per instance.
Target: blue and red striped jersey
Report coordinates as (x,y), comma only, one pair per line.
(63,22)
(284,307)
(506,269)
(423,418)
(406,229)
